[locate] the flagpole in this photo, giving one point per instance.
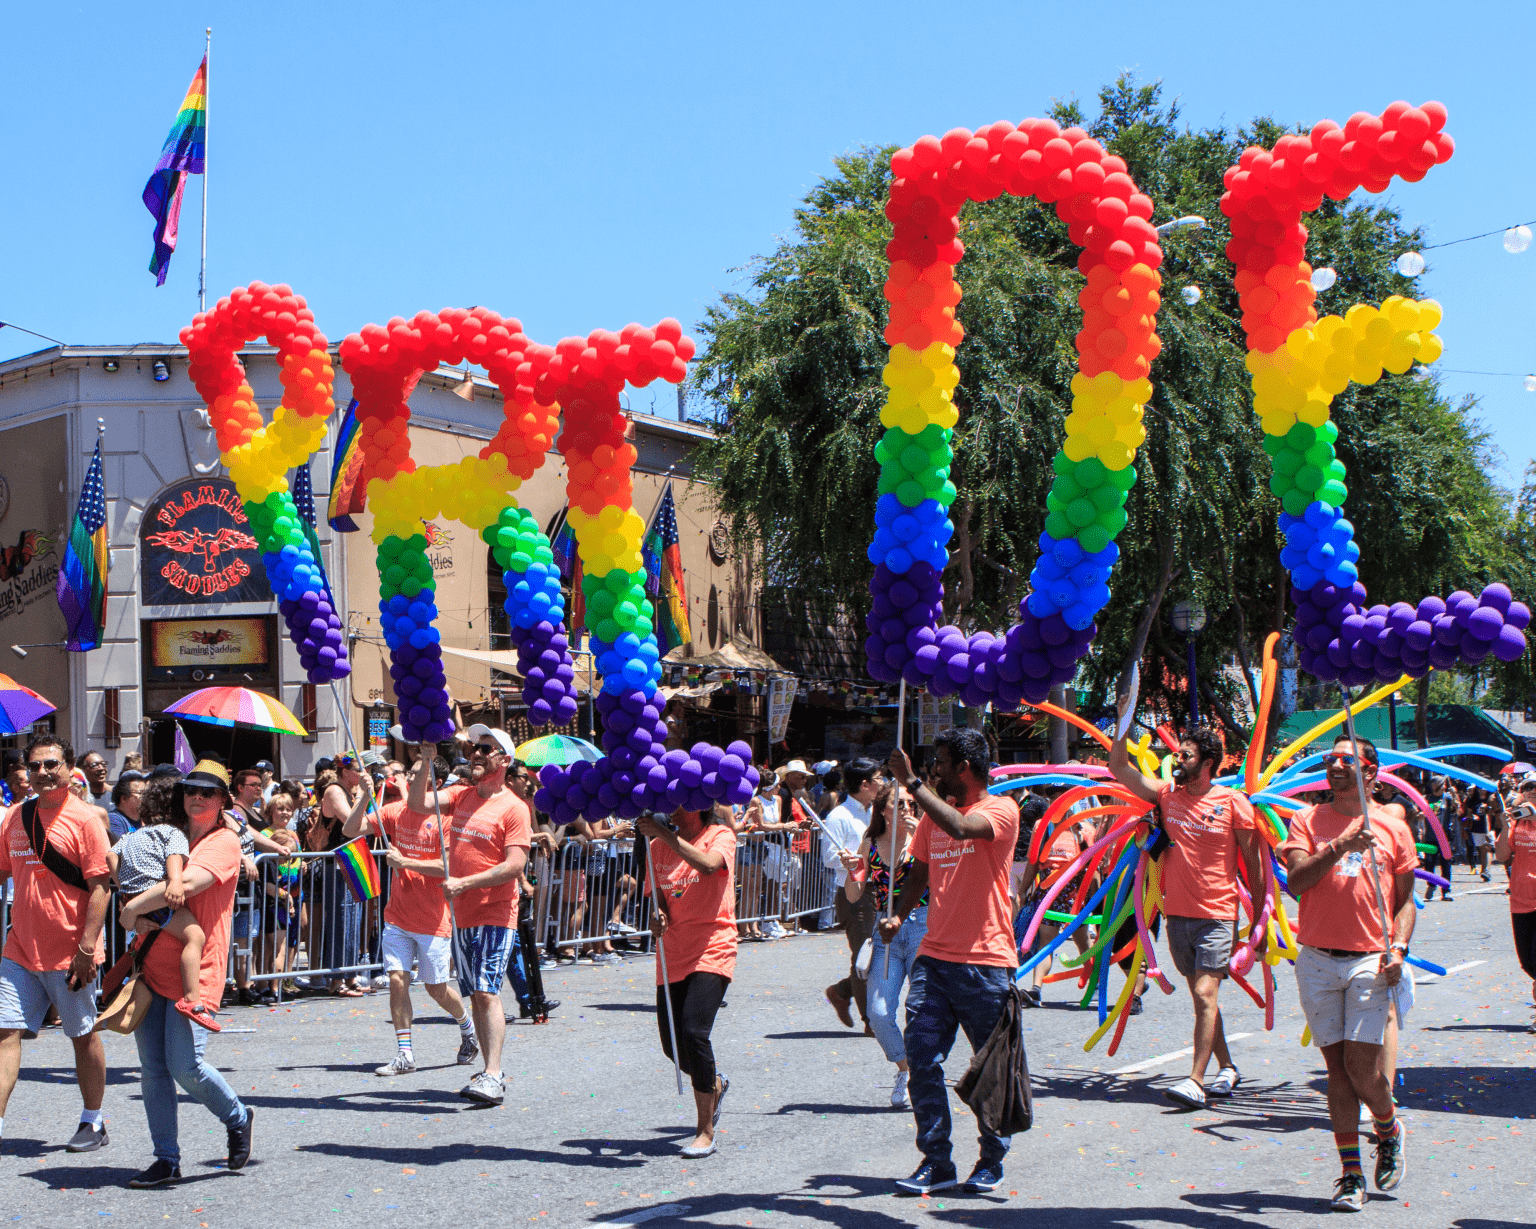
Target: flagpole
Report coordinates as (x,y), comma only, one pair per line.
(202,269)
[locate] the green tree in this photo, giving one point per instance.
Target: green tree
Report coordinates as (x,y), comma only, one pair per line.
(791,370)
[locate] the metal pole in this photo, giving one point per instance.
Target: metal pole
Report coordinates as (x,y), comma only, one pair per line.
(344,715)
(1365,812)
(442,841)
(895,822)
(1392,718)
(202,268)
(1194,685)
(666,986)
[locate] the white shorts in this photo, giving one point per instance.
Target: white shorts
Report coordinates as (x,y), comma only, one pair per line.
(25,995)
(1479,839)
(1344,998)
(430,952)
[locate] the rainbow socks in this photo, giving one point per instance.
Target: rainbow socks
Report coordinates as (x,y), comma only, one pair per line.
(403,1040)
(1349,1152)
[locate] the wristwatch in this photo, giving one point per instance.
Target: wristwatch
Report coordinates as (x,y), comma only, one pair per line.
(1400,947)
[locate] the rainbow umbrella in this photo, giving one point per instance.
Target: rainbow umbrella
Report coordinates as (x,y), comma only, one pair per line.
(557,749)
(238,707)
(19,706)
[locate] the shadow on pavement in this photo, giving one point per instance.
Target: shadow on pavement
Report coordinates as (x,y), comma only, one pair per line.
(66,1075)
(400,1101)
(806,1107)
(813,1035)
(442,1154)
(665,1146)
(647,1008)
(100,1177)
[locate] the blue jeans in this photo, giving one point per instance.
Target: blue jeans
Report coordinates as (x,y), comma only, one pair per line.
(517,974)
(171,1053)
(884,993)
(942,997)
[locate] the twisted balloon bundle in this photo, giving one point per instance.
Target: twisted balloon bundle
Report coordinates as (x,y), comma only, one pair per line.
(1110,220)
(260,455)
(583,377)
(1300,363)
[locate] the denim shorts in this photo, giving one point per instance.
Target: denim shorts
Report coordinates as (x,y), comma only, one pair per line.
(25,995)
(483,952)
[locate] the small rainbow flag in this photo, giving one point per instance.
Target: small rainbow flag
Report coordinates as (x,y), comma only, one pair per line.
(184,154)
(347,492)
(355,861)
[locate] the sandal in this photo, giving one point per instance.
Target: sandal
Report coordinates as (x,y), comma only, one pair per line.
(199,1013)
(347,992)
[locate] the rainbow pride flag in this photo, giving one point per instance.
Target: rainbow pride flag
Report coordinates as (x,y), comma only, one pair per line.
(82,583)
(183,154)
(347,493)
(355,861)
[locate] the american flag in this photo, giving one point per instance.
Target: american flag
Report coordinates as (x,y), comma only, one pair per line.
(664,576)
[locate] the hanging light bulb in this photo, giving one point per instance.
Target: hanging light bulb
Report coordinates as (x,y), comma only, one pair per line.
(1530,384)
(1323,278)
(1410,264)
(1517,238)
(1190,295)
(1419,374)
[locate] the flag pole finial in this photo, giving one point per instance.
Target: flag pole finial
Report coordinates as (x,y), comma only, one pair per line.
(101,427)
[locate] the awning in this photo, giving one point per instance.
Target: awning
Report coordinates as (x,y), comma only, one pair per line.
(729,656)
(505,660)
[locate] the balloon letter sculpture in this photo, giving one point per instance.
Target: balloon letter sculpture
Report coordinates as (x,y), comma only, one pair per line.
(1110,220)
(1300,363)
(584,376)
(259,456)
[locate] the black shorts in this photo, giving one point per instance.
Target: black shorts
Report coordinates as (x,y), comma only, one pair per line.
(1127,932)
(1525,941)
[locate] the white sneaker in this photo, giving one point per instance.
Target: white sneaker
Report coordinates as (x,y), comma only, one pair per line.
(1187,1092)
(381,981)
(899,1098)
(607,958)
(404,1064)
(485,1088)
(1227,1079)
(773,930)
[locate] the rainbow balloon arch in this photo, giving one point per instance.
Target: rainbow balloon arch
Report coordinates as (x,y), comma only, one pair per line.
(1298,362)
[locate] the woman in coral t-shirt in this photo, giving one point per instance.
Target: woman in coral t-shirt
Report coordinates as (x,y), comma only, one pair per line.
(692,865)
(171,1046)
(1516,848)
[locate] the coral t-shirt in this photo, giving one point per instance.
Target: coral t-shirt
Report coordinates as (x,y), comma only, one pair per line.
(1522,866)
(47,914)
(701,909)
(1064,847)
(1200,867)
(479,834)
(416,902)
(1340,911)
(970,918)
(218,853)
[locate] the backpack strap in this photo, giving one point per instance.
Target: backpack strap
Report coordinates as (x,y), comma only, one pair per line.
(62,868)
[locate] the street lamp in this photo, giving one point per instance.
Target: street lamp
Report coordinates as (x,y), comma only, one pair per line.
(1189,618)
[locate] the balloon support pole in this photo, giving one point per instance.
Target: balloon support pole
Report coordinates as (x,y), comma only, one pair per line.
(895,823)
(343,715)
(666,985)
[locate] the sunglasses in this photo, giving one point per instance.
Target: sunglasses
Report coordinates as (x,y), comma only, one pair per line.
(1343,759)
(45,765)
(487,749)
(200,791)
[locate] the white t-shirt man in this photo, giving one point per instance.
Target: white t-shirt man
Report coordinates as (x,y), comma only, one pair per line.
(846,824)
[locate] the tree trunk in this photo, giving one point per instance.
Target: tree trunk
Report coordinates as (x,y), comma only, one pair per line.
(1421,714)
(965,591)
(1058,727)
(1165,574)
(1242,635)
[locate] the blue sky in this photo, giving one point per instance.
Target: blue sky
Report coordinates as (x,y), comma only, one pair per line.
(584,166)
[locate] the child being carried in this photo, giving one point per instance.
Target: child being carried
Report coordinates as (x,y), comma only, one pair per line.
(154,854)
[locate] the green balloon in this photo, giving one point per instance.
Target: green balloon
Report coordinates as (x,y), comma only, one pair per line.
(1320,454)
(947,496)
(1329,431)
(1081,512)
(1125,478)
(1301,437)
(1059,527)
(915,460)
(1273,444)
(1090,473)
(1067,488)
(1107,497)
(1287,461)
(1113,521)
(1333,493)
(1295,501)
(1063,464)
(608,630)
(911,493)
(1309,477)
(1094,538)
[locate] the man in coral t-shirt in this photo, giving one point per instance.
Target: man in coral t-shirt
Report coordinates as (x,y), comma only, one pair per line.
(51,954)
(1211,830)
(490,830)
(1355,883)
(963,973)
(416,926)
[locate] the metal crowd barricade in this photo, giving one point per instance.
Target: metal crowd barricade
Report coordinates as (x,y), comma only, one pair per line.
(298,918)
(586,894)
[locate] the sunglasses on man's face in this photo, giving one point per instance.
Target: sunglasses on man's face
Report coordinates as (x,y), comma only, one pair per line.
(487,749)
(1343,759)
(44,765)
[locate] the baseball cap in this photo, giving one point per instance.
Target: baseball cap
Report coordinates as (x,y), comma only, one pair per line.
(263,766)
(500,737)
(1528,781)
(822,767)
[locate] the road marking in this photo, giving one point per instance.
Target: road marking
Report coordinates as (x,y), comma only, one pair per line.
(1163,1059)
(1455,968)
(639,1218)
(1483,891)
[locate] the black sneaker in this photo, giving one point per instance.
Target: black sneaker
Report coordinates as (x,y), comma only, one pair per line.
(88,1138)
(928,1177)
(1135,1009)
(987,1176)
(1391,1163)
(1030,996)
(161,1173)
(240,1141)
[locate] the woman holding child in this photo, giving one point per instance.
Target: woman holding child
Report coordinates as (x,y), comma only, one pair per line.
(170,1045)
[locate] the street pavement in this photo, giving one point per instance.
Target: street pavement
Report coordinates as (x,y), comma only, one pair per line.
(592,1123)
